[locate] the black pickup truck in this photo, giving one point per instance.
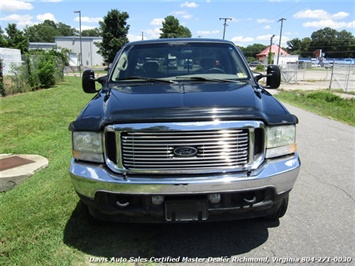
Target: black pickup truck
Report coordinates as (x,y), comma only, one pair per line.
(200,141)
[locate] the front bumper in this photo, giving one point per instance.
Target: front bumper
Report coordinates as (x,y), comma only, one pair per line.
(280,174)
(101,190)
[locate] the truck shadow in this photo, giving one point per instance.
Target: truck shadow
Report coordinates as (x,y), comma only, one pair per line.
(203,240)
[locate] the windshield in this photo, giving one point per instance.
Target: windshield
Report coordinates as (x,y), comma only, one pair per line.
(179,61)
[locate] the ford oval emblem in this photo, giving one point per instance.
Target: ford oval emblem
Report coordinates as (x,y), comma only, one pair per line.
(185,151)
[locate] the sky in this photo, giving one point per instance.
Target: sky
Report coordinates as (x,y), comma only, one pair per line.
(247,22)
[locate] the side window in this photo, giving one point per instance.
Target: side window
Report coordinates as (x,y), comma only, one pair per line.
(120,66)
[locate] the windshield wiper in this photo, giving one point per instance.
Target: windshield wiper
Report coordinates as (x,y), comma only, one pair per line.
(148,79)
(217,80)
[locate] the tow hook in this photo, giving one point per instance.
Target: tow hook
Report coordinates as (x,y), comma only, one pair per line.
(122,204)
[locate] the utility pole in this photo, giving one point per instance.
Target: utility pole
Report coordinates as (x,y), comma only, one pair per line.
(282,23)
(81,43)
(270,53)
(225,25)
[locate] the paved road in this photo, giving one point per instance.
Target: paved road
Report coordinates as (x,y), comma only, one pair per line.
(319,223)
(321,215)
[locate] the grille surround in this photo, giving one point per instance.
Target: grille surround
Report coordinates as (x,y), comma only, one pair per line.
(223,146)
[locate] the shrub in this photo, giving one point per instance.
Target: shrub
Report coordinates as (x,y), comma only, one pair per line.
(324,96)
(46,70)
(42,69)
(260,67)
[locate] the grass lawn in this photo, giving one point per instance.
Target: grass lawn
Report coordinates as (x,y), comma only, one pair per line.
(40,220)
(324,103)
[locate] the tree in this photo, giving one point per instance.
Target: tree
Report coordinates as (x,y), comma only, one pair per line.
(172,29)
(251,51)
(299,47)
(2,38)
(47,30)
(65,30)
(333,43)
(91,32)
(15,38)
(114,30)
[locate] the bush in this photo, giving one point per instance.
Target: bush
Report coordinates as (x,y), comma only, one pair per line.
(19,80)
(46,70)
(260,67)
(42,69)
(324,96)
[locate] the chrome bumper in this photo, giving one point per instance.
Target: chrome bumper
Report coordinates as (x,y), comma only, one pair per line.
(279,174)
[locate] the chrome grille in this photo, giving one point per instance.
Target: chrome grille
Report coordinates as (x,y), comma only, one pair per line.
(217,149)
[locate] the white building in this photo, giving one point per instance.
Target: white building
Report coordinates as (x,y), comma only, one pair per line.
(284,58)
(41,45)
(10,57)
(90,55)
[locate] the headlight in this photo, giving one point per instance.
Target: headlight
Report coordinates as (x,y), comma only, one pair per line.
(280,141)
(87,146)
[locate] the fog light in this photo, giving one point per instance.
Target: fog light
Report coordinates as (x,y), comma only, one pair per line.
(214,198)
(157,200)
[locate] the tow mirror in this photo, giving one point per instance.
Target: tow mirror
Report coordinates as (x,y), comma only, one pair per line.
(273,77)
(88,81)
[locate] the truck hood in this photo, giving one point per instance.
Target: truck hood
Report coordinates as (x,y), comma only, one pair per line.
(197,101)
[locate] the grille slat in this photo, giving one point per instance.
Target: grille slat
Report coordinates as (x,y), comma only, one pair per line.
(155,150)
(184,142)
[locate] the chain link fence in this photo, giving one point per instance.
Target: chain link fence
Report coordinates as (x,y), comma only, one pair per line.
(336,76)
(343,77)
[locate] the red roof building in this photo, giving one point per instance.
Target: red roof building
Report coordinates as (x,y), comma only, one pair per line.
(274,51)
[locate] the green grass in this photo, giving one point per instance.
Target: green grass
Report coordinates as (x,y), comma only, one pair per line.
(41,222)
(35,212)
(324,103)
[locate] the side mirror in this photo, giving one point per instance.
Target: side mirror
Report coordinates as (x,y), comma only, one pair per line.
(88,81)
(273,77)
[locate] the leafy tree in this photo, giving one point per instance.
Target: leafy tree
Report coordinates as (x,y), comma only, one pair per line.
(172,29)
(345,44)
(15,38)
(43,32)
(294,46)
(114,30)
(2,38)
(91,32)
(336,44)
(333,43)
(251,51)
(47,30)
(299,47)
(65,30)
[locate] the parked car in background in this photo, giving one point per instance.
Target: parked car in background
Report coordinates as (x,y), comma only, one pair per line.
(254,64)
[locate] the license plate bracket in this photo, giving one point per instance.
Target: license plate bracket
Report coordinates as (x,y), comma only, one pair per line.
(186,210)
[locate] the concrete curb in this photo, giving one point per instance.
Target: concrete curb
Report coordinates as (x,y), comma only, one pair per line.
(14,176)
